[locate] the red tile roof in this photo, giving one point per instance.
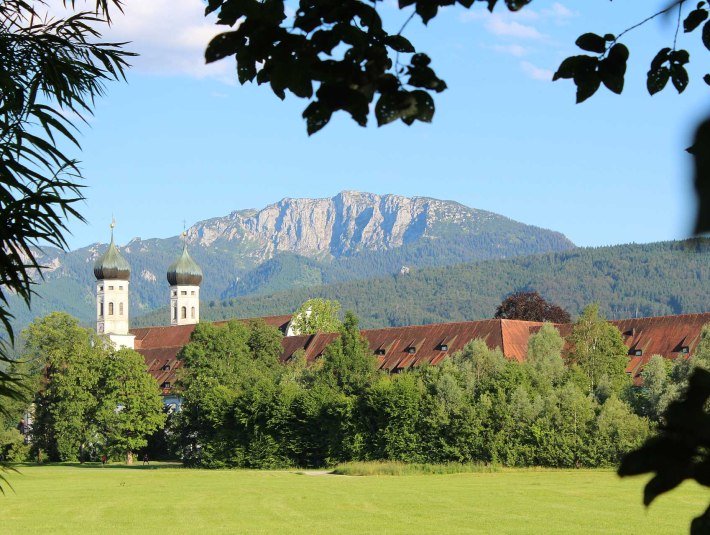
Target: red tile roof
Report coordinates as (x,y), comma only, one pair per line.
(398,348)
(661,335)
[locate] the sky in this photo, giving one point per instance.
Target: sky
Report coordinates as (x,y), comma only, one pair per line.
(181,141)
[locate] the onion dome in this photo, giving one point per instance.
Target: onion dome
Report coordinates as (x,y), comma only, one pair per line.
(184,271)
(111,265)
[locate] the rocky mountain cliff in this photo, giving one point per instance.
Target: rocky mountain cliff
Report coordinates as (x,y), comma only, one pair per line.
(348,223)
(298,242)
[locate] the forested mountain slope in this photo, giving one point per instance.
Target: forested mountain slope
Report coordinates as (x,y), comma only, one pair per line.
(626,280)
(295,243)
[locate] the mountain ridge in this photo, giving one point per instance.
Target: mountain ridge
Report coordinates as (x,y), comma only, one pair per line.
(295,243)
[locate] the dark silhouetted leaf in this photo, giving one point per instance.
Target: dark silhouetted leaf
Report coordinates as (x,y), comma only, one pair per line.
(694,19)
(613,68)
(591,42)
(679,77)
(657,79)
(399,43)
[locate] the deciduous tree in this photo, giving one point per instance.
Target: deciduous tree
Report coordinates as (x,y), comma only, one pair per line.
(130,407)
(530,306)
(317,316)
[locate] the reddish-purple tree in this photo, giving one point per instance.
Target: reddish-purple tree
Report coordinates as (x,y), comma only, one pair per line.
(530,306)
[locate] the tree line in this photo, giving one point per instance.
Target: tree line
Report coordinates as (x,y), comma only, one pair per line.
(242,407)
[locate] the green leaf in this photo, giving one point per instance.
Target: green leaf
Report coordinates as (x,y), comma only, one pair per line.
(591,42)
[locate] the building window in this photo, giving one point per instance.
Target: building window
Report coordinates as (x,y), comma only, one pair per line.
(183,292)
(120,309)
(110,309)
(175,312)
(120,287)
(193,292)
(192,313)
(174,293)
(101,309)
(183,313)
(110,287)
(101,288)
(165,385)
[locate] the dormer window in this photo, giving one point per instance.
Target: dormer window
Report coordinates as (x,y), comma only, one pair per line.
(166,367)
(380,351)
(165,385)
(684,350)
(637,352)
(443,347)
(411,350)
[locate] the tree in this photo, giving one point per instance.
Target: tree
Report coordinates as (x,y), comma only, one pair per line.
(680,451)
(66,361)
(545,353)
(130,407)
(88,394)
(317,316)
(348,362)
(530,306)
(598,352)
(49,67)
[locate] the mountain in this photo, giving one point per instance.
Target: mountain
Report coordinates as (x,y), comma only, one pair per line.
(295,243)
(625,280)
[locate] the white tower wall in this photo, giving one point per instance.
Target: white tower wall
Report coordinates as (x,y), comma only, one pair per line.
(112,311)
(184,305)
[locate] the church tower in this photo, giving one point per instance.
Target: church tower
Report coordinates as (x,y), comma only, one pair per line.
(184,276)
(112,274)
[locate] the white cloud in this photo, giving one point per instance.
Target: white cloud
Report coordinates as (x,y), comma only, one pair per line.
(513,50)
(558,12)
(499,26)
(535,72)
(170,36)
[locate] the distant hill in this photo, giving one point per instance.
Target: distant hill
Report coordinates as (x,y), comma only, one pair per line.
(295,243)
(626,280)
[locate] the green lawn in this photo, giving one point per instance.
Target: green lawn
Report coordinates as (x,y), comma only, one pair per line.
(65,499)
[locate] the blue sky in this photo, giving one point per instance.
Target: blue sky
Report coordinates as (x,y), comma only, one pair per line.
(183,142)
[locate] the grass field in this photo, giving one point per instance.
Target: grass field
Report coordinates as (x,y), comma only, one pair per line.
(66,499)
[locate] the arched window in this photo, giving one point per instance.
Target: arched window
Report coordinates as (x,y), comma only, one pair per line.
(183,313)
(192,313)
(120,309)
(110,309)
